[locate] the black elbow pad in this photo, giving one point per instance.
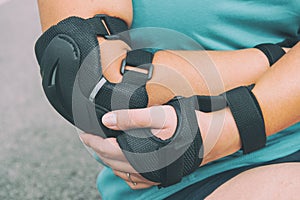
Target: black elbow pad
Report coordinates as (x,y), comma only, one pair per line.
(69,57)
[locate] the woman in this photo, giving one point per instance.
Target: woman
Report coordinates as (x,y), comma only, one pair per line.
(222,25)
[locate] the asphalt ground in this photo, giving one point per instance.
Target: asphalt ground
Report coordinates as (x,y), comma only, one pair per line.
(41,156)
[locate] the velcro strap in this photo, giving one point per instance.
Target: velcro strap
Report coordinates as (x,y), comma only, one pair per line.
(173,172)
(211,103)
(187,130)
(248,117)
(109,27)
(113,24)
(99,26)
(273,52)
(289,42)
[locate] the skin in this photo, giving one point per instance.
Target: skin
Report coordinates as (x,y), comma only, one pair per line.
(252,67)
(141,118)
(280,181)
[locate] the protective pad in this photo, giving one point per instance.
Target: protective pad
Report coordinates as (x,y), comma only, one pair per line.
(69,56)
(273,52)
(152,157)
(167,161)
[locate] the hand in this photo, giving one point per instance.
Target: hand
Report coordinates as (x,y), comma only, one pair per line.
(216,129)
(161,119)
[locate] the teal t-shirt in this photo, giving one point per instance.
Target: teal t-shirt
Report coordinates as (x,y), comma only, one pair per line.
(216,25)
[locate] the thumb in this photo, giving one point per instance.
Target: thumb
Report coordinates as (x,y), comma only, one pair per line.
(156,117)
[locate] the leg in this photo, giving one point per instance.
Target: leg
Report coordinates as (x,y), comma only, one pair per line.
(277,181)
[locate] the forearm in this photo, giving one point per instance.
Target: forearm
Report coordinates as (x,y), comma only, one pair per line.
(277,92)
(206,72)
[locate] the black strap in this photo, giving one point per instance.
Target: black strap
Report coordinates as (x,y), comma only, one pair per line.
(187,130)
(140,59)
(289,42)
(173,172)
(248,117)
(211,103)
(273,52)
(105,25)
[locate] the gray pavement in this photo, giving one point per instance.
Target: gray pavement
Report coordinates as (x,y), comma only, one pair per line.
(41,156)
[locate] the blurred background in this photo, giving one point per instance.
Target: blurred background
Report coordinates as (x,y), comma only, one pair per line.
(41,156)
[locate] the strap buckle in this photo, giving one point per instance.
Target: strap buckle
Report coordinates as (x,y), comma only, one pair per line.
(149,67)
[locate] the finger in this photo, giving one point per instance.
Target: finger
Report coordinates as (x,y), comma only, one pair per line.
(90,140)
(118,165)
(156,117)
(137,178)
(133,177)
(107,148)
(138,186)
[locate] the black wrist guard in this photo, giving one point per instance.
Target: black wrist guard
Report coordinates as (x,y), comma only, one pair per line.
(272,51)
(167,161)
(289,42)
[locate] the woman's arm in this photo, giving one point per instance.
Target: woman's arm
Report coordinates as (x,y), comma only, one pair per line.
(53,11)
(208,72)
(235,68)
(199,69)
(277,92)
(186,73)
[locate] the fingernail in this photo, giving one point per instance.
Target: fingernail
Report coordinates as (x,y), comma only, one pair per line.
(109,119)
